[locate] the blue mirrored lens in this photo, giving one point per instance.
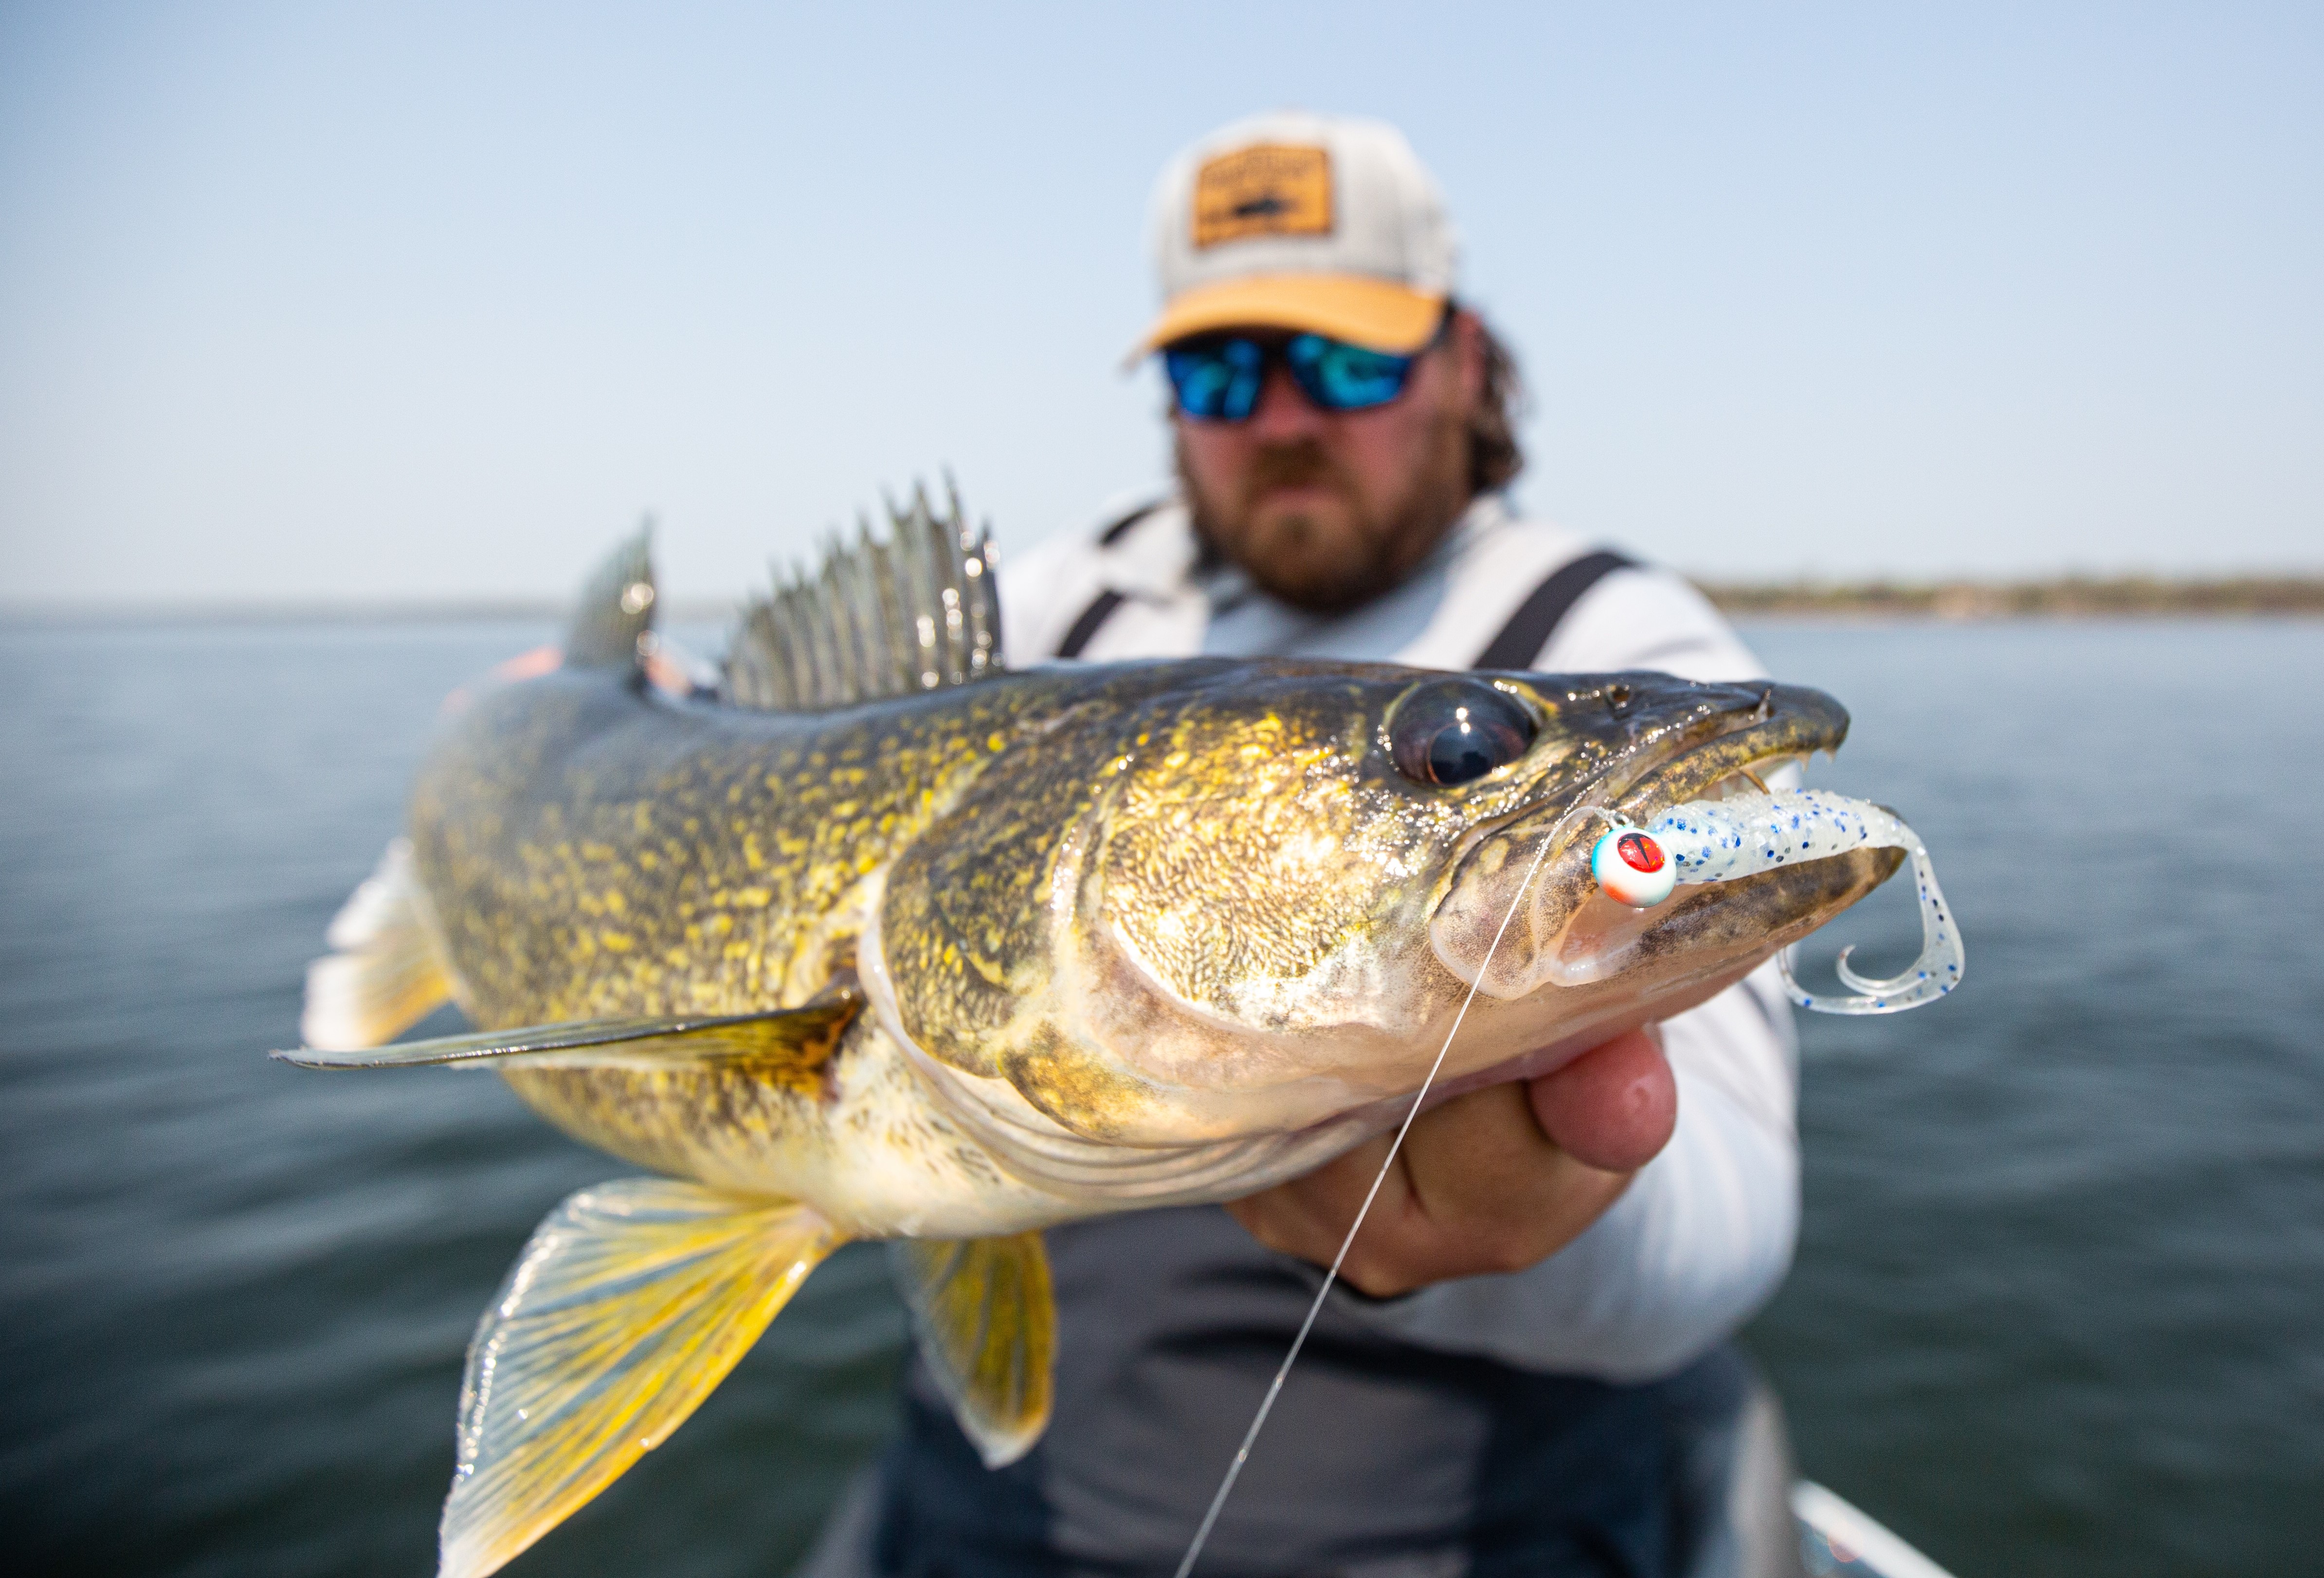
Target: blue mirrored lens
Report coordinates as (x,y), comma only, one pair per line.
(1218,381)
(1339,376)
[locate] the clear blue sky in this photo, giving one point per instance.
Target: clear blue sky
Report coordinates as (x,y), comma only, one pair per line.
(312,300)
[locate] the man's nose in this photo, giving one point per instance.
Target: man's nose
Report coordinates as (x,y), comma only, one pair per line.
(1282,411)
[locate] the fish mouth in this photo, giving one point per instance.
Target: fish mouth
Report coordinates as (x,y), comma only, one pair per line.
(1729,751)
(1521,912)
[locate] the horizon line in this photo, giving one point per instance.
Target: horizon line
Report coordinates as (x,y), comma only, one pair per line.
(1946,596)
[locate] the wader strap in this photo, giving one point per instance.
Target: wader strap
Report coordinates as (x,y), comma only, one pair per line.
(1536,619)
(1517,646)
(1120,529)
(1099,610)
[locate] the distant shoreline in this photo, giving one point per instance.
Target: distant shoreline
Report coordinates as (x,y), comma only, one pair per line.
(2073,597)
(2069,597)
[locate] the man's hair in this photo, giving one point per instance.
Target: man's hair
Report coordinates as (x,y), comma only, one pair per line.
(1494,457)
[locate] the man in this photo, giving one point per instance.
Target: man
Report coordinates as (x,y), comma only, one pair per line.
(1515,1378)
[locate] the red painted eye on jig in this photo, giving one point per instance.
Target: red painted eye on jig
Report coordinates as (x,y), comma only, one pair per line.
(1631,868)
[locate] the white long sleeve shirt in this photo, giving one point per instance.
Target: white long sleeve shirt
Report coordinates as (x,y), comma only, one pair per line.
(1706,1231)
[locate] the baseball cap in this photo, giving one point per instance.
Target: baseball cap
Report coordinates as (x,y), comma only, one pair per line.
(1321,224)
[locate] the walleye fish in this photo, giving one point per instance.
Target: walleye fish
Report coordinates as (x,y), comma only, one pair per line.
(884,943)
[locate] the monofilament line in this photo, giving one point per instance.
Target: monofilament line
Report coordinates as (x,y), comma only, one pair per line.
(1331,1275)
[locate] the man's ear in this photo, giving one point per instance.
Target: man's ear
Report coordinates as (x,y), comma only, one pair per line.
(1468,348)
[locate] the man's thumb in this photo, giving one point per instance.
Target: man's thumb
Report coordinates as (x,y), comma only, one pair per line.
(1614,1107)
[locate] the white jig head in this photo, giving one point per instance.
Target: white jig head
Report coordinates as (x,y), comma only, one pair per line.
(1631,868)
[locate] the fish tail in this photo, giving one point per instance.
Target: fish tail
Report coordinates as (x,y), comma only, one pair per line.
(611,627)
(385,970)
(627,1309)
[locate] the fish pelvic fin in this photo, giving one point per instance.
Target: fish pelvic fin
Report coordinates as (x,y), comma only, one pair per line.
(385,972)
(627,1309)
(791,1046)
(614,621)
(917,611)
(987,1325)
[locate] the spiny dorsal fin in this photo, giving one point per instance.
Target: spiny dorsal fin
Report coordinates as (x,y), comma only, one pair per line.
(617,607)
(917,611)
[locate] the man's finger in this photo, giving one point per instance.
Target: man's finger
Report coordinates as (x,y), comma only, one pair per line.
(1309,1215)
(1477,1188)
(1482,1156)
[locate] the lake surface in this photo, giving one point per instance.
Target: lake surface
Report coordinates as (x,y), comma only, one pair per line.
(2059,1299)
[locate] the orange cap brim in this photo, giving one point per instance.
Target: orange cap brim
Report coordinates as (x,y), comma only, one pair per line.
(1377,313)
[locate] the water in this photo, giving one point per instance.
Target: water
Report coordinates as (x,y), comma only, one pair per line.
(2056,1307)
(2055,1304)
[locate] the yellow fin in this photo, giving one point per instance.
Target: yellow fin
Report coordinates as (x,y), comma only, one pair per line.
(385,972)
(988,1329)
(629,1307)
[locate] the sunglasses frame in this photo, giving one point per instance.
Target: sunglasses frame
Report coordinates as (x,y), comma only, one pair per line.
(1276,349)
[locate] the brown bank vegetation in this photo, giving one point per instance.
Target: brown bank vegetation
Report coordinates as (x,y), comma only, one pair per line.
(2068,597)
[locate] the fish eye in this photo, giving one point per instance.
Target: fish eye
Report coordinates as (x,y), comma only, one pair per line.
(1456,731)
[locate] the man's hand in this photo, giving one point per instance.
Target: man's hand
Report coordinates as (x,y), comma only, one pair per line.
(1495,1180)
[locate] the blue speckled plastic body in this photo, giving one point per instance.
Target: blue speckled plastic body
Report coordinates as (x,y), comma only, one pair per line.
(1718,841)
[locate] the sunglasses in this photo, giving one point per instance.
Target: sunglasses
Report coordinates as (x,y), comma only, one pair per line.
(1218,378)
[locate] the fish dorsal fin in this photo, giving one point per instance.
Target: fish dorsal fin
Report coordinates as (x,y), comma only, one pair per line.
(917,611)
(790,1046)
(987,1324)
(617,608)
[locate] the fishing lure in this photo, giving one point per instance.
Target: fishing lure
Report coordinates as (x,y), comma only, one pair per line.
(1719,841)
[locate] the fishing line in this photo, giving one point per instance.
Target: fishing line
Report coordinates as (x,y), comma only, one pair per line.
(1331,1275)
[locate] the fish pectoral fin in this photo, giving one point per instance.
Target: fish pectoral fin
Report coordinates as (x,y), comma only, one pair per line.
(384,973)
(786,1042)
(988,1329)
(627,1309)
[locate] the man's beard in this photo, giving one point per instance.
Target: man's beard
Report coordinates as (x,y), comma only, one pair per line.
(1328,566)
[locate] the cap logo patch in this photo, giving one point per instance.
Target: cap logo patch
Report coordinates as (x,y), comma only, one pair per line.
(1267,190)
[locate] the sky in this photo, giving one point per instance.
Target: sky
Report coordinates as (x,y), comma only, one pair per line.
(337,303)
